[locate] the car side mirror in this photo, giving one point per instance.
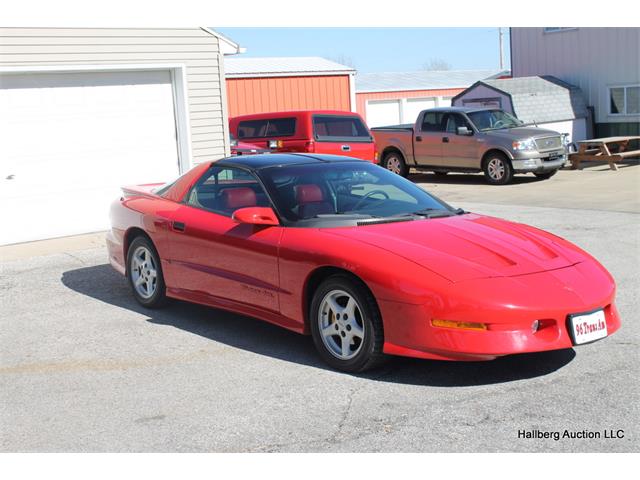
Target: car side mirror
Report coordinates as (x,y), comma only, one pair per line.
(464,131)
(256,216)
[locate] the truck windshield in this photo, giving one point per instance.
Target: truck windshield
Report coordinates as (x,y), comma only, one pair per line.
(493,119)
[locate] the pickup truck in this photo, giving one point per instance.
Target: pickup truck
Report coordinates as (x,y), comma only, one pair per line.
(458,139)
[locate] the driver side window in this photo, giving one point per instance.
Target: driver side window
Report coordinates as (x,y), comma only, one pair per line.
(455,120)
(223,190)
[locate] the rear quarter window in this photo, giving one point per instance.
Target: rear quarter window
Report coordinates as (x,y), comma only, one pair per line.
(267,128)
(340,128)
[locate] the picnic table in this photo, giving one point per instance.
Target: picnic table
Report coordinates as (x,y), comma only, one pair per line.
(609,149)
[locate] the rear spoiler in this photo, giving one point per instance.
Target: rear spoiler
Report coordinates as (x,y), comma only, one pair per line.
(144,190)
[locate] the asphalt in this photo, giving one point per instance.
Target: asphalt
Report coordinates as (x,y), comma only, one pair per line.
(84,368)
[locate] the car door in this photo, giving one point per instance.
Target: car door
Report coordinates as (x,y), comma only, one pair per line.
(459,150)
(427,146)
(212,254)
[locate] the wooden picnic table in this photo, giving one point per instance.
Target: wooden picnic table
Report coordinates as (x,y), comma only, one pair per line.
(598,150)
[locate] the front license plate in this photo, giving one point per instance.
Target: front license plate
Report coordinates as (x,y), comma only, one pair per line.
(587,327)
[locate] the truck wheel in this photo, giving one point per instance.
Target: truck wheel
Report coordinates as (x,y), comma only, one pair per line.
(546,175)
(394,162)
(497,169)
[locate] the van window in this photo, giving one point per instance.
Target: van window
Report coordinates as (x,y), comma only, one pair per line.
(275,127)
(334,128)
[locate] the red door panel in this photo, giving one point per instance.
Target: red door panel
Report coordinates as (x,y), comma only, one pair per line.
(218,256)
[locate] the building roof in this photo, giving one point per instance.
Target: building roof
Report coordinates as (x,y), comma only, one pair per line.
(243,67)
(541,99)
(227,46)
(422,80)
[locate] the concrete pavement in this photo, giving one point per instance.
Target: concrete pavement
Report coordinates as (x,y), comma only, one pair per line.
(84,368)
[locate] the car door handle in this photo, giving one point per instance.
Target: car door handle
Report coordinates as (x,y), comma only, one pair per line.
(178,226)
(418,138)
(445,139)
(346,148)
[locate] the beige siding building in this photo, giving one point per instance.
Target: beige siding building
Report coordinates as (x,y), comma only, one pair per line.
(603,62)
(98,108)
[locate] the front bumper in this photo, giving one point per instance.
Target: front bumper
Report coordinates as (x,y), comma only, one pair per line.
(538,164)
(508,312)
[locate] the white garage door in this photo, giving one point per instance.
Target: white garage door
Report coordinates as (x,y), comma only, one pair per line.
(381,113)
(68,141)
(414,106)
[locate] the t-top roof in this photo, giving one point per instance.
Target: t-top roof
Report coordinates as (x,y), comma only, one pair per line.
(239,67)
(255,162)
(422,80)
(541,99)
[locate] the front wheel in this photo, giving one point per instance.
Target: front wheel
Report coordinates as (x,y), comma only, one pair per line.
(546,175)
(346,325)
(144,273)
(497,169)
(394,162)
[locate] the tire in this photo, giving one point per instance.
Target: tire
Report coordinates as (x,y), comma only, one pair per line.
(361,331)
(144,272)
(394,162)
(497,169)
(546,175)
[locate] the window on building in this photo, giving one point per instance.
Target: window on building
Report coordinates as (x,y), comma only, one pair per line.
(558,29)
(624,100)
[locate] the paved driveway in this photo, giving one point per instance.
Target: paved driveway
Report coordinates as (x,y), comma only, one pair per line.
(84,368)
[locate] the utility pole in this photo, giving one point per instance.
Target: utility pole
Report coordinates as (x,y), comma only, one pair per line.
(501,54)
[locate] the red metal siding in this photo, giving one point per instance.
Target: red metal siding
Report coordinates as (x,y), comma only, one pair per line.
(361,98)
(276,94)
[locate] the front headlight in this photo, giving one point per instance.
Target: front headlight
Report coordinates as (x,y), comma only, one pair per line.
(524,145)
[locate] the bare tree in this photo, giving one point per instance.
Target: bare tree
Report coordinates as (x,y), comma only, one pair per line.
(343,59)
(436,64)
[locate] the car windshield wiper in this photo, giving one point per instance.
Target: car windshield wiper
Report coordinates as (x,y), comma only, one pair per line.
(346,215)
(427,213)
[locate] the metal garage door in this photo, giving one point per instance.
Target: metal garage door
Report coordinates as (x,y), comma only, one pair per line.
(381,113)
(414,106)
(68,141)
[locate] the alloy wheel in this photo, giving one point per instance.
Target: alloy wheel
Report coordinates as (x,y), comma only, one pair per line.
(341,324)
(144,272)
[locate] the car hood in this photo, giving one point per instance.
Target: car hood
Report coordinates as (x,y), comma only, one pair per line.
(522,132)
(469,246)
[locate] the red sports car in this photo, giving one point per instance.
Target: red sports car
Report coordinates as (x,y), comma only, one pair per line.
(360,258)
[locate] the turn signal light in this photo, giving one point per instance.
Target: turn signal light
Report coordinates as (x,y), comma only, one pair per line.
(461,325)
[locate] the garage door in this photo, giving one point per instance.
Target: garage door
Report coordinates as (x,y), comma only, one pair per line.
(414,106)
(68,141)
(381,113)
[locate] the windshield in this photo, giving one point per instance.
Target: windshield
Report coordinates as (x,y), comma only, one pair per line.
(342,193)
(493,119)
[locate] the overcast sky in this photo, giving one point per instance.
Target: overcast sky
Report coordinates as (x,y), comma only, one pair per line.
(378,49)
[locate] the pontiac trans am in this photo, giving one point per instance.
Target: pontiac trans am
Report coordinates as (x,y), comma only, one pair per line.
(362,259)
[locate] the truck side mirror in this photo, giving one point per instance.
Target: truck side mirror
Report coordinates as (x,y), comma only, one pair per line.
(464,131)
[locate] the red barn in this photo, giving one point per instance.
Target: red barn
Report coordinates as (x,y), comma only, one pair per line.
(272,84)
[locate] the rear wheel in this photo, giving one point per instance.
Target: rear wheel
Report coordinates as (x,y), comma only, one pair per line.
(546,175)
(394,162)
(144,273)
(346,325)
(497,169)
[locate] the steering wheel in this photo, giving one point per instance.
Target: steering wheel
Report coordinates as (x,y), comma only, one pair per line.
(371,194)
(498,124)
